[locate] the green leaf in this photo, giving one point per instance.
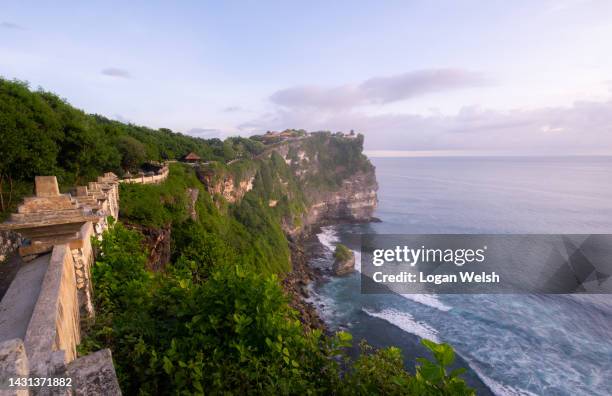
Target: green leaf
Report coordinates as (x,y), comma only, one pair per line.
(431,372)
(457,372)
(429,344)
(168,366)
(445,354)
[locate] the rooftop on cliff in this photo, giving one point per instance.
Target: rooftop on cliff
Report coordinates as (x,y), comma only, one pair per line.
(191,157)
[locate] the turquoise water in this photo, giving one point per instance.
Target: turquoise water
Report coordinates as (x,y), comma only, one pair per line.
(513,344)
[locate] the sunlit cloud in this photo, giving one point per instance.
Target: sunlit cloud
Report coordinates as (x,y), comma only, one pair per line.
(378,89)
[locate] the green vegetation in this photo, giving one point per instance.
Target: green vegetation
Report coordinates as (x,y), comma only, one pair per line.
(215,320)
(382,372)
(42,134)
(342,253)
(338,159)
(219,327)
(249,226)
(174,333)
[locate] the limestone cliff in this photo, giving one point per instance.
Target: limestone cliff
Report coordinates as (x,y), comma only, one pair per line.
(335,189)
(225,184)
(352,195)
(328,175)
(354,201)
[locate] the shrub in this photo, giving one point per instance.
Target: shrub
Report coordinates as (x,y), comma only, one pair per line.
(220,327)
(342,253)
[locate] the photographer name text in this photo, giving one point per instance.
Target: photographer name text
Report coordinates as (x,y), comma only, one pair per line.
(437,279)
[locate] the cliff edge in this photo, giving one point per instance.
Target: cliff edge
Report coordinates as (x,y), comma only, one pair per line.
(338,181)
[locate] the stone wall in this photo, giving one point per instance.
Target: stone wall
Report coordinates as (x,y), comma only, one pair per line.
(83,257)
(42,309)
(151,179)
(41,312)
(54,329)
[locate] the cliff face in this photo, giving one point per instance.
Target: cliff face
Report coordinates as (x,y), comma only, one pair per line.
(225,185)
(354,201)
(353,196)
(338,184)
(333,180)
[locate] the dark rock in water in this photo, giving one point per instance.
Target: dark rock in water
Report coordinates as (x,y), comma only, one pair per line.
(344,262)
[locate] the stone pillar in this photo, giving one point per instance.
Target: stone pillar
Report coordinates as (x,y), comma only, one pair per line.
(81,191)
(46,186)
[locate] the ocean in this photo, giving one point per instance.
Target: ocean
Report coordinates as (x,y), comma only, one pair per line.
(512,344)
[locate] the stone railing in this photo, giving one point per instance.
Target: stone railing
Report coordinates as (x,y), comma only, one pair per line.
(54,329)
(41,311)
(156,178)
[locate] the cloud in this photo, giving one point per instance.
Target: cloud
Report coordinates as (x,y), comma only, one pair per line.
(116,72)
(318,97)
(408,85)
(205,133)
(10,25)
(377,90)
(585,127)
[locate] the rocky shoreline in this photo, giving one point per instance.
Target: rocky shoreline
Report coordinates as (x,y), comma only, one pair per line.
(354,202)
(296,284)
(303,274)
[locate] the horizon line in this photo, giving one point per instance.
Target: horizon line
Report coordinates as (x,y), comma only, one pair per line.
(475,153)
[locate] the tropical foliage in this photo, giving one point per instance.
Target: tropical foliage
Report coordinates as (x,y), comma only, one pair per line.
(42,134)
(222,327)
(216,319)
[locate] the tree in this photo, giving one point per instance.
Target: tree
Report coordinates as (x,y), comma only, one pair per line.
(228,150)
(133,153)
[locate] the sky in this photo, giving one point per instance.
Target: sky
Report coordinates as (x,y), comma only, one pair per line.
(489,77)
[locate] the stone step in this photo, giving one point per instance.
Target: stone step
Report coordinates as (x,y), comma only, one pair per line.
(35,204)
(48,215)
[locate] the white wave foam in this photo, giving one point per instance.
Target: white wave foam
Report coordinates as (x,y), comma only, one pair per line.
(497,388)
(430,300)
(406,322)
(328,237)
(357,254)
(326,306)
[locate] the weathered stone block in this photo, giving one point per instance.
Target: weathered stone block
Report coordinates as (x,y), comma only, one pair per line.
(13,363)
(94,374)
(46,186)
(81,191)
